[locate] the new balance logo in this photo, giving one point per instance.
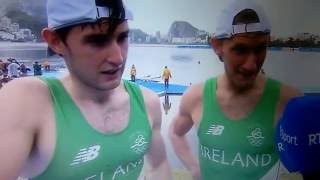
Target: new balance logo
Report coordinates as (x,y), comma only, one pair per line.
(86,154)
(215,130)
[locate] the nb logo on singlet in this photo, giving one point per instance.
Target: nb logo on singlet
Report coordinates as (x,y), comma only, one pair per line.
(216,130)
(86,154)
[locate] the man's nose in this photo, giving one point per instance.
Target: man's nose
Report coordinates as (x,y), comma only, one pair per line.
(251,62)
(115,54)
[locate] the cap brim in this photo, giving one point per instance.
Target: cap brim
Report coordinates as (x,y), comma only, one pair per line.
(74,23)
(104,14)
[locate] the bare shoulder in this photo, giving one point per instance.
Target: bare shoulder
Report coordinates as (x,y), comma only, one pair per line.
(149,96)
(23,104)
(191,98)
(287,92)
(189,111)
(24,88)
(152,104)
(21,98)
(194,91)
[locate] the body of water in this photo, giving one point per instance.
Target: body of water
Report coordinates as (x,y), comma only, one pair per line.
(189,66)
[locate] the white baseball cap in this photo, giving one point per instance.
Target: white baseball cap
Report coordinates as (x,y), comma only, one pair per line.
(226,27)
(64,13)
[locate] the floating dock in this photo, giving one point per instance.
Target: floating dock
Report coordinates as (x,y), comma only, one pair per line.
(156,86)
(159,88)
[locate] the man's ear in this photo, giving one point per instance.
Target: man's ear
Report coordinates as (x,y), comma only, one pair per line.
(216,45)
(53,40)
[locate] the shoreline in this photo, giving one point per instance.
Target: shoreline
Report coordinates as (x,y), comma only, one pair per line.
(16,46)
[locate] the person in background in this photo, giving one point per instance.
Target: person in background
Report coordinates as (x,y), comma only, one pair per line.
(133,73)
(37,69)
(1,78)
(5,65)
(23,70)
(2,65)
(13,70)
(46,65)
(166,75)
(236,112)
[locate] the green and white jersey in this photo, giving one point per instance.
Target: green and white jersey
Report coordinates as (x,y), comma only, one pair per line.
(242,149)
(83,153)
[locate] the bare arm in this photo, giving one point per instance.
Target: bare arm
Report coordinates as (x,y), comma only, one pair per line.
(17,131)
(182,123)
(286,93)
(156,157)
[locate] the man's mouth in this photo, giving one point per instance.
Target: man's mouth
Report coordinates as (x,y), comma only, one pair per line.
(248,74)
(110,72)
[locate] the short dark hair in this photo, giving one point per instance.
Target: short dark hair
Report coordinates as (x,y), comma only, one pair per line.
(246,16)
(116,17)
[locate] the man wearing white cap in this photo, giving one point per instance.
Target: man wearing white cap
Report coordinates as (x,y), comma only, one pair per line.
(89,124)
(235,113)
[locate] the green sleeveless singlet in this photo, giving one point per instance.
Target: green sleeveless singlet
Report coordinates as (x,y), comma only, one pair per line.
(83,153)
(242,149)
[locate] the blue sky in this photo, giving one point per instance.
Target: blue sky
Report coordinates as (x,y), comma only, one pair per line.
(288,17)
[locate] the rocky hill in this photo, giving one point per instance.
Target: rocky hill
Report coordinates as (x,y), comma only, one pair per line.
(182,29)
(29,14)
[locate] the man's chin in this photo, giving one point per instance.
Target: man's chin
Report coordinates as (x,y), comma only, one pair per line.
(110,85)
(243,86)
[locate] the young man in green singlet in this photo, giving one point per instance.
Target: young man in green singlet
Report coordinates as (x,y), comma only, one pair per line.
(90,124)
(235,113)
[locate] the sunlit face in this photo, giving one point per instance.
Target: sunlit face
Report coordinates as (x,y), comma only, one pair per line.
(243,57)
(96,59)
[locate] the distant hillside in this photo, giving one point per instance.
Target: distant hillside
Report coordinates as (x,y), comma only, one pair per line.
(35,8)
(29,14)
(182,29)
(27,21)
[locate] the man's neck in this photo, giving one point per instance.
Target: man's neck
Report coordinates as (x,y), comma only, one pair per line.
(225,85)
(83,92)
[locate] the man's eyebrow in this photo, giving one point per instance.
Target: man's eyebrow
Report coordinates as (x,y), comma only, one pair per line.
(124,33)
(262,45)
(102,36)
(239,45)
(91,37)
